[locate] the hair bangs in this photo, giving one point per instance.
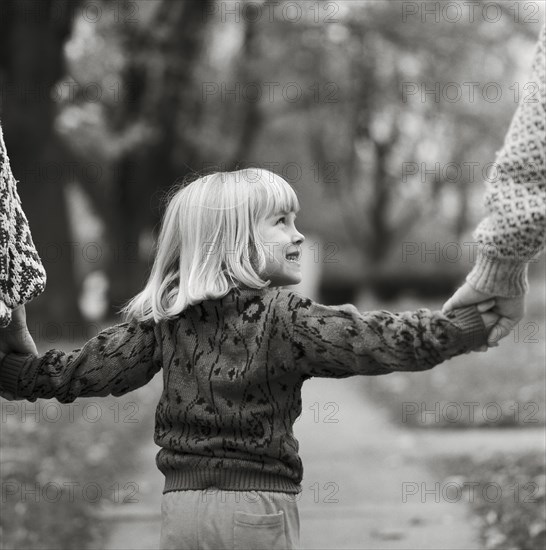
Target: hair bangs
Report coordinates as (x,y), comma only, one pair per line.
(274,195)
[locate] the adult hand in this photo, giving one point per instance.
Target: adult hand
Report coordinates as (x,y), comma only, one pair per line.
(15,338)
(510,310)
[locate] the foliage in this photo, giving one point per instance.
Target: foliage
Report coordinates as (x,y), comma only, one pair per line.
(514,514)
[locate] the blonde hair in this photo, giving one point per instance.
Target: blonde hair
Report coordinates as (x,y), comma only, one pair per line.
(210,241)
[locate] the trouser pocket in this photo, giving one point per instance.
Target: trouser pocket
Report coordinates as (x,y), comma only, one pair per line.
(259,531)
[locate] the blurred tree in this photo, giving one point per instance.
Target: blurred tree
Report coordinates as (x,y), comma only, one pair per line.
(246,70)
(140,130)
(32,36)
(160,94)
(387,131)
(398,154)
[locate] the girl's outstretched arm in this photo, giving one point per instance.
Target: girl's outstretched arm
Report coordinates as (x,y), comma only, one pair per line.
(340,341)
(118,360)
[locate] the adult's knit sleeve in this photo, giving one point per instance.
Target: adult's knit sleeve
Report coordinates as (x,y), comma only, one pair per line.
(118,360)
(340,341)
(22,275)
(514,232)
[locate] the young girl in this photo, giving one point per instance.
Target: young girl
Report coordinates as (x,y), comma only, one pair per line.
(235,349)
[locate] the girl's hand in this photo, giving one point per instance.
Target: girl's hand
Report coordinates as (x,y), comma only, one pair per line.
(510,310)
(15,338)
(489,318)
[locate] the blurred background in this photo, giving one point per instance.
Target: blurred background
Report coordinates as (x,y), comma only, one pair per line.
(385,116)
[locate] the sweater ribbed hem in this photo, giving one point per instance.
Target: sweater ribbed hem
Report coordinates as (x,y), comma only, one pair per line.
(505,278)
(227,480)
(469,321)
(9,371)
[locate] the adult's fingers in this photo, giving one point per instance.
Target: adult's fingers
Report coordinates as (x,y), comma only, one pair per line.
(28,346)
(454,302)
(490,319)
(502,328)
(465,296)
(486,306)
(17,341)
(19,315)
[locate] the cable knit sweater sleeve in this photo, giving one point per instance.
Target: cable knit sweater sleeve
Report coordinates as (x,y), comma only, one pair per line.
(118,360)
(515,230)
(339,341)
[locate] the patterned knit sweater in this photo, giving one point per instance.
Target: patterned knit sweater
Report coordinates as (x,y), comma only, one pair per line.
(22,275)
(515,230)
(233,369)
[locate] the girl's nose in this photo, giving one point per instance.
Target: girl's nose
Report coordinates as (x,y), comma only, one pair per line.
(299,238)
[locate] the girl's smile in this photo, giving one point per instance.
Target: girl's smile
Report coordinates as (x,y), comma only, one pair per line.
(282,248)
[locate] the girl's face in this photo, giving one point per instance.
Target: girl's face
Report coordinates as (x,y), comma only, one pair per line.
(282,248)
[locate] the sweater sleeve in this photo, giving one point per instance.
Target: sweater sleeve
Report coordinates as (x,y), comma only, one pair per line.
(339,341)
(515,230)
(22,275)
(118,360)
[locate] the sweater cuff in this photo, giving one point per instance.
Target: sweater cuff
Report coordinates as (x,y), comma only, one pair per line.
(505,278)
(469,321)
(10,367)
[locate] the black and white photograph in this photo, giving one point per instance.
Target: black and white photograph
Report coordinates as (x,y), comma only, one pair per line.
(272,275)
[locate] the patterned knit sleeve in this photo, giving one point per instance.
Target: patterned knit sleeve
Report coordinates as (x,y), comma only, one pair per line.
(22,275)
(118,360)
(339,341)
(515,230)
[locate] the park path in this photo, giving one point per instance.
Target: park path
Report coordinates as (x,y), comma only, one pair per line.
(356,472)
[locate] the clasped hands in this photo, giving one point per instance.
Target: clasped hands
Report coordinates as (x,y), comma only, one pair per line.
(507,311)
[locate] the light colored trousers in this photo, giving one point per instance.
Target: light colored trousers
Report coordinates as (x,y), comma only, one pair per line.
(212,519)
